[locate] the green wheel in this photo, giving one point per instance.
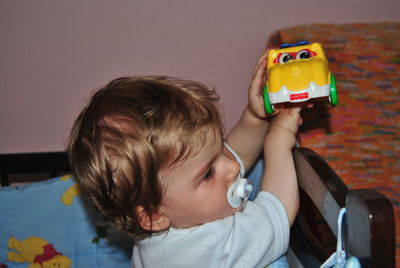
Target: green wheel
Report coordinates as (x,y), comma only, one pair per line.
(268,107)
(333,98)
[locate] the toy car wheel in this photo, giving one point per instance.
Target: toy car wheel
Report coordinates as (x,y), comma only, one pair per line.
(333,98)
(269,108)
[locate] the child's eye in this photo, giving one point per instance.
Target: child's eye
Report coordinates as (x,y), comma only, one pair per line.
(209,174)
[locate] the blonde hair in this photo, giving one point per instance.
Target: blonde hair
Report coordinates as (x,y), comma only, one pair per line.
(131,129)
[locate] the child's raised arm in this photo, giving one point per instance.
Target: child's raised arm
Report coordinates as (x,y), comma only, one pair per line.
(280,174)
(247,136)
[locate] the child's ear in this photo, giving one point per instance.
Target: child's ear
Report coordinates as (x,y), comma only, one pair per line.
(157,222)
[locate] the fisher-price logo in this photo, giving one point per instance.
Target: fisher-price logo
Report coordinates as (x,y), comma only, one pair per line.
(299,96)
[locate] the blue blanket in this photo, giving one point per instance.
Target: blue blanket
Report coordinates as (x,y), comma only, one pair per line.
(47,223)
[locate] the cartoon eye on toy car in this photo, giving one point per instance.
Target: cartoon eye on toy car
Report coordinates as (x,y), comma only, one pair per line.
(296,73)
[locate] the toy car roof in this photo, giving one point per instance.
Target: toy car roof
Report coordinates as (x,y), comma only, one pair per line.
(300,43)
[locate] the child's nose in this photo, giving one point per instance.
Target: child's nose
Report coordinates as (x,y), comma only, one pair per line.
(232,169)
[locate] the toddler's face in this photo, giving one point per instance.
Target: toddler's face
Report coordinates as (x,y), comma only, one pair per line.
(196,189)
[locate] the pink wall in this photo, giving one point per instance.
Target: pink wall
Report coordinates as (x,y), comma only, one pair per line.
(54,53)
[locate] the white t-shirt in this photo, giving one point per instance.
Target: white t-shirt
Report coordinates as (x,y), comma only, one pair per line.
(253,237)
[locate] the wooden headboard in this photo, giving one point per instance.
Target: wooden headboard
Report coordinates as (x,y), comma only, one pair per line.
(50,163)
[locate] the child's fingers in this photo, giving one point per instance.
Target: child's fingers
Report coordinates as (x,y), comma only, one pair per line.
(258,76)
(257,84)
(289,118)
(255,93)
(310,105)
(294,110)
(262,58)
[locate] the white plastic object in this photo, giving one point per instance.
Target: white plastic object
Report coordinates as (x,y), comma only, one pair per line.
(338,258)
(238,192)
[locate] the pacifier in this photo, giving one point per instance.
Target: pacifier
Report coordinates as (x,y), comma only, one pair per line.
(238,192)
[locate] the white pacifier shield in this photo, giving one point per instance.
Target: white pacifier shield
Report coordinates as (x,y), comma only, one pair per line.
(238,192)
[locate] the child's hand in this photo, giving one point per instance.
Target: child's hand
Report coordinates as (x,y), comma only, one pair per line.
(284,128)
(255,94)
(288,119)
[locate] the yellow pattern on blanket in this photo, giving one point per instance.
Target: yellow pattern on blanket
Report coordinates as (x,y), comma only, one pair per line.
(36,251)
(68,197)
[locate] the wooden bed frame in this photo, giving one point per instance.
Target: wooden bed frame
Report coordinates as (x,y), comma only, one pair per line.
(369,221)
(51,164)
(369,228)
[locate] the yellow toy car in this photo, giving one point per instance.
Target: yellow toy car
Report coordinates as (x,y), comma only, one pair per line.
(296,73)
